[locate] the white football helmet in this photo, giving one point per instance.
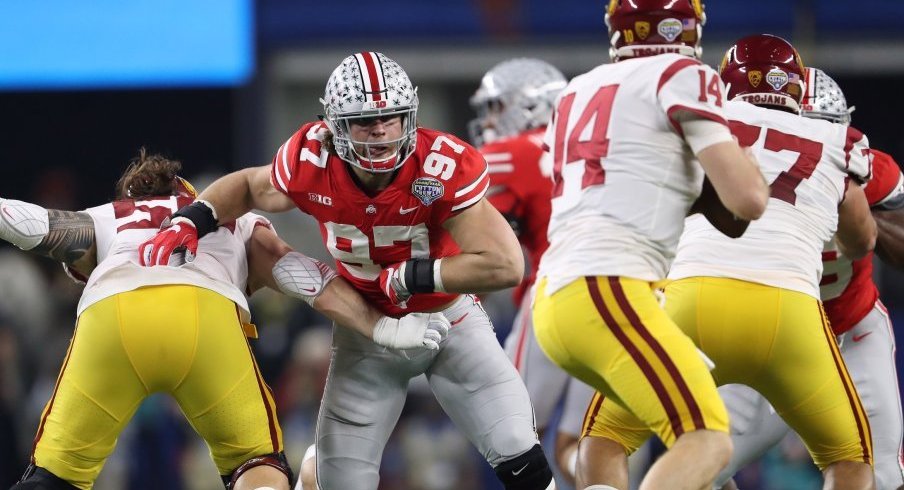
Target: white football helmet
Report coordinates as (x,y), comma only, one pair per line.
(365,85)
(513,96)
(824,99)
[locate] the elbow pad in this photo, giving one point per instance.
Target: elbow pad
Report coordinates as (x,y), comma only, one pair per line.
(22,223)
(302,277)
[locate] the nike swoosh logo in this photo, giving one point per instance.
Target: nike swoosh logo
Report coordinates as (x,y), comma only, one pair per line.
(406,211)
(309,290)
(516,473)
(858,338)
(456,322)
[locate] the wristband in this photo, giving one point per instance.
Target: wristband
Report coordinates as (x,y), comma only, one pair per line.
(438,277)
(419,276)
(201,214)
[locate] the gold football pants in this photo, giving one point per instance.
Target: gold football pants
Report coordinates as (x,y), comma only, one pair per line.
(182,340)
(611,333)
(779,343)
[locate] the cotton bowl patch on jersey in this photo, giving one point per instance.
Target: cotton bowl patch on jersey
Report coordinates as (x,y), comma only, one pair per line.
(427,189)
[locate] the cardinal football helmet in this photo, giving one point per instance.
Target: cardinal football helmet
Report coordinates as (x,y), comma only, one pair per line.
(824,99)
(764,70)
(366,85)
(515,95)
(650,27)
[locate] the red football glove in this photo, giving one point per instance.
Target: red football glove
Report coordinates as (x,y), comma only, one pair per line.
(392,283)
(179,234)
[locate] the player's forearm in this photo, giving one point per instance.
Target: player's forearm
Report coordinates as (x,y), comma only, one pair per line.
(855,241)
(736,178)
(342,304)
(482,272)
(857,230)
(70,240)
(235,194)
(230,195)
(273,264)
(890,240)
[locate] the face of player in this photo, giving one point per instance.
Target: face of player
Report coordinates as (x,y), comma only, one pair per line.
(367,134)
(491,113)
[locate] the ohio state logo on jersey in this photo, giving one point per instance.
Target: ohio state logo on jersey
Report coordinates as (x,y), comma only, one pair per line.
(427,189)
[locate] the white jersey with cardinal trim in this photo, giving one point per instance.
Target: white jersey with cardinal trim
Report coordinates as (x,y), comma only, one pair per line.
(121,226)
(623,176)
(808,163)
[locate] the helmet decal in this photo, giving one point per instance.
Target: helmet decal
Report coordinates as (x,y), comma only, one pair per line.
(651,27)
(777,79)
(755,77)
(764,58)
(642,28)
(670,29)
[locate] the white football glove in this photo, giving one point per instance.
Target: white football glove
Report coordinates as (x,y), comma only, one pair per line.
(412,331)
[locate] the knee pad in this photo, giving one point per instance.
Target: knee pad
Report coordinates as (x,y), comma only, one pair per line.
(37,478)
(530,471)
(276,460)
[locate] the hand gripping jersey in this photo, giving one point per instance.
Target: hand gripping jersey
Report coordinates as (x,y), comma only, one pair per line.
(519,188)
(363,232)
(807,163)
(220,266)
(623,176)
(847,288)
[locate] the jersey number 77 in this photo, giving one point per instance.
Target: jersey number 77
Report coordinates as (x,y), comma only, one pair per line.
(809,153)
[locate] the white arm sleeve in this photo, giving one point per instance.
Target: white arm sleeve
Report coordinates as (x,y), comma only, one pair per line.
(22,223)
(702,133)
(302,277)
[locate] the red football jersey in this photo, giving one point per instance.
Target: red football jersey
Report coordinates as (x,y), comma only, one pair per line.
(364,232)
(847,287)
(521,188)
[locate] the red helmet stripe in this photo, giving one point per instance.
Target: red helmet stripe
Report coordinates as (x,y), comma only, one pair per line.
(811,86)
(372,74)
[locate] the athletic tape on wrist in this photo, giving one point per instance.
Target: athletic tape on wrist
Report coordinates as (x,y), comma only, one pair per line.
(419,276)
(201,214)
(438,277)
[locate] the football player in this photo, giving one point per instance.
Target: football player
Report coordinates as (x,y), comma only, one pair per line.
(752,303)
(858,318)
(402,210)
(630,142)
(126,346)
(513,104)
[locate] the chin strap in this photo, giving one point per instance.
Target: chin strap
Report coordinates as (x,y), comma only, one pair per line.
(22,223)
